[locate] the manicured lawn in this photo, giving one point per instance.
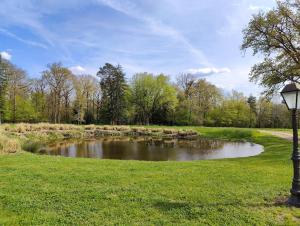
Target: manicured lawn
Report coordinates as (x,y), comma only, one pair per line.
(36,190)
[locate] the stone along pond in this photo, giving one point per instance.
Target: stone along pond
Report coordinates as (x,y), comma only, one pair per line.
(149,149)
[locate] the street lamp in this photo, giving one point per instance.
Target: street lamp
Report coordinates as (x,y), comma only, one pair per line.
(291,97)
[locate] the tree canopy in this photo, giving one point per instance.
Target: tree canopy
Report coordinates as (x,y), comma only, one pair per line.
(113,88)
(59,96)
(276,36)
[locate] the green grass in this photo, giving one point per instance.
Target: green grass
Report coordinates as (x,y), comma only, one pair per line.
(45,190)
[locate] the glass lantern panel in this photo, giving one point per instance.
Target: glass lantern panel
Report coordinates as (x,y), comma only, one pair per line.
(290,99)
(298,104)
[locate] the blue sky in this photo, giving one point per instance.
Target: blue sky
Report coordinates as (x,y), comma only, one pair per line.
(158,36)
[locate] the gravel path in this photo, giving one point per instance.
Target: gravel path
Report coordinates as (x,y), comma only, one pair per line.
(284,135)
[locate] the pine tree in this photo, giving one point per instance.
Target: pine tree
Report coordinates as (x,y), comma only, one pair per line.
(3,86)
(113,87)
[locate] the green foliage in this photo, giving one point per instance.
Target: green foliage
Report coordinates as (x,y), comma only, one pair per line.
(197,99)
(3,86)
(253,110)
(113,88)
(275,34)
(153,97)
(24,111)
(233,111)
(88,117)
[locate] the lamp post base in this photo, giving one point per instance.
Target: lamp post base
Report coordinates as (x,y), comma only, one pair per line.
(294,201)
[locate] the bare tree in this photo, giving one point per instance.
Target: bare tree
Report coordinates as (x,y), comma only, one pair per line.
(86,88)
(56,77)
(186,82)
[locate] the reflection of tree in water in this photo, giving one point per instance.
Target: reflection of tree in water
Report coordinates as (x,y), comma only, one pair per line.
(205,145)
(141,148)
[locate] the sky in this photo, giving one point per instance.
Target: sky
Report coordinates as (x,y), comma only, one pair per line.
(202,37)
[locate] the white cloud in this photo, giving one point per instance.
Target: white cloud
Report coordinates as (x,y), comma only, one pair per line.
(237,79)
(77,69)
(254,7)
(257,8)
(5,55)
(208,71)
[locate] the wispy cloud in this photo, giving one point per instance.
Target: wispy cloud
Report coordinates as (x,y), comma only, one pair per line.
(21,13)
(6,55)
(202,72)
(28,42)
(156,26)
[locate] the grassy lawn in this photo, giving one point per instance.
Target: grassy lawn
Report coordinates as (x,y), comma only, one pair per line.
(45,190)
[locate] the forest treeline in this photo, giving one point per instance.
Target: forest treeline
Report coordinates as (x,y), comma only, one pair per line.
(59,96)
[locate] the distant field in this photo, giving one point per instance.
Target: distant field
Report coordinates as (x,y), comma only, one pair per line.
(45,190)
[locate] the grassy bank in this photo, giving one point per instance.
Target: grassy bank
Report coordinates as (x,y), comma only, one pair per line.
(49,190)
(23,134)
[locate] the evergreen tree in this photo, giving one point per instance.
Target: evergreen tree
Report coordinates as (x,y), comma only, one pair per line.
(253,111)
(3,86)
(113,88)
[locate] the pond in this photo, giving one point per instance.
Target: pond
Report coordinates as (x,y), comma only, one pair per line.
(150,149)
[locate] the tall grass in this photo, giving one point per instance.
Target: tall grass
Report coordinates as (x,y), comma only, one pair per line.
(9,145)
(25,128)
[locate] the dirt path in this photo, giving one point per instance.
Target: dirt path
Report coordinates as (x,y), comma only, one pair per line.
(284,135)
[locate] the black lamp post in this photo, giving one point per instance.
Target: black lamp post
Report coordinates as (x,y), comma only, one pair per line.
(291,96)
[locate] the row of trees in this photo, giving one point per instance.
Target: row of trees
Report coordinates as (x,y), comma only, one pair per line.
(59,96)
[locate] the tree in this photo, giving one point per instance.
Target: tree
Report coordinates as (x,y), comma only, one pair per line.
(264,115)
(17,87)
(276,35)
(165,101)
(153,98)
(233,111)
(205,96)
(253,111)
(85,88)
(197,98)
(66,96)
(38,97)
(25,111)
(185,82)
(113,88)
(280,116)
(56,78)
(3,86)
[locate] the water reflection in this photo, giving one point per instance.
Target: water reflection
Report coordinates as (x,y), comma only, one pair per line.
(150,149)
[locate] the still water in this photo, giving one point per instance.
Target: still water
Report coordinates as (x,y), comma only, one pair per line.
(150,149)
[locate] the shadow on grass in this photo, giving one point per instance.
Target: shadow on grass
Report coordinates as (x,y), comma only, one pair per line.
(167,206)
